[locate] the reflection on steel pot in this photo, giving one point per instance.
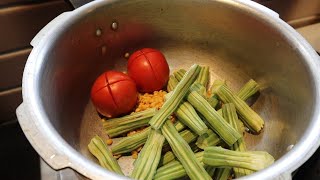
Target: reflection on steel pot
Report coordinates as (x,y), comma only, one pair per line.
(239,40)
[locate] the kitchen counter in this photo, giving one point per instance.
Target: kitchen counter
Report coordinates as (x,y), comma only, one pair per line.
(312,35)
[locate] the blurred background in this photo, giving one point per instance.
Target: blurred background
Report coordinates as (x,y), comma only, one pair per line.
(20,20)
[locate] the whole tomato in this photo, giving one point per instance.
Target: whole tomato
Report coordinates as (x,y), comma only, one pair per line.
(149,69)
(114,93)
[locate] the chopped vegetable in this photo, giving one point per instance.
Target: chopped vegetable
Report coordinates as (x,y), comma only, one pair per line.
(216,121)
(117,126)
(252,120)
(179,74)
(179,126)
(146,165)
(222,173)
(203,77)
(253,160)
(202,105)
(172,83)
(189,104)
(149,69)
(212,97)
(166,158)
(99,149)
(187,135)
(183,152)
(199,88)
(130,143)
(194,147)
(210,138)
(230,114)
(213,101)
(177,96)
(114,93)
(187,115)
(211,170)
(169,156)
(215,84)
(174,169)
(249,89)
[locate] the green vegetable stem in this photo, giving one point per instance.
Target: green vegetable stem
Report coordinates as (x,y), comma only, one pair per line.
(215,120)
(117,126)
(203,77)
(174,169)
(172,103)
(183,152)
(249,89)
(222,173)
(210,138)
(253,160)
(172,83)
(99,149)
(130,143)
(252,120)
(230,114)
(146,165)
(179,74)
(187,115)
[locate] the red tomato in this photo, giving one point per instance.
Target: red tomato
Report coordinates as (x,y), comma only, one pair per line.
(114,93)
(149,69)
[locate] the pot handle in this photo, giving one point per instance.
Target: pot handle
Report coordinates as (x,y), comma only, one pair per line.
(56,22)
(40,140)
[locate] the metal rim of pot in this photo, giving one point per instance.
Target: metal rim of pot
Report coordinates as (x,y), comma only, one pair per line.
(59,154)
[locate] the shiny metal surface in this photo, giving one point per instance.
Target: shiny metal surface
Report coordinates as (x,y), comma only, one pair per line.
(237,39)
(48,173)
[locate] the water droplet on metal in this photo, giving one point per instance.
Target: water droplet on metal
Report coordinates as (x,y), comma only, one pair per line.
(103,49)
(98,32)
(290,147)
(114,25)
(126,55)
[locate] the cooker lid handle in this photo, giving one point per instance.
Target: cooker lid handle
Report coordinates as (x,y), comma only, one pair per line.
(39,139)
